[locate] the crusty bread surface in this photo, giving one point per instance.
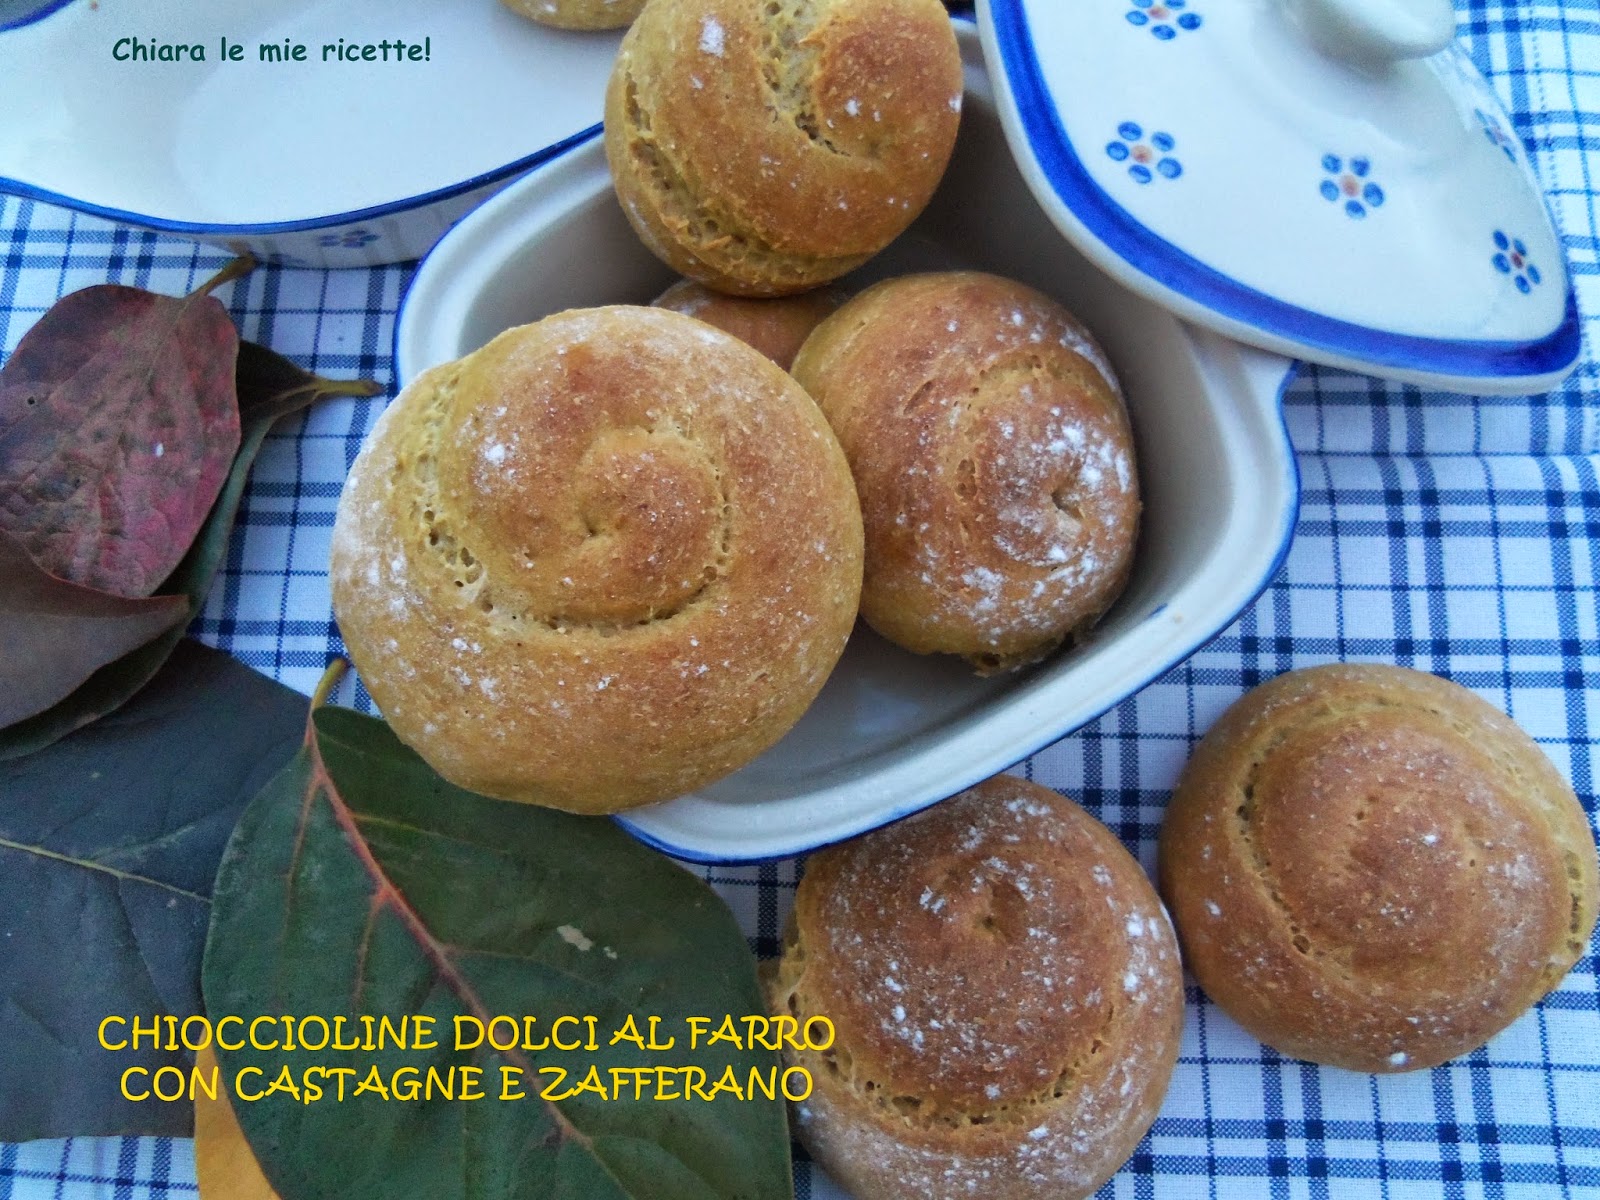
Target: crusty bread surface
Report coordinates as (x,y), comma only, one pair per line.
(1373,868)
(994,460)
(764,149)
(577,14)
(777,327)
(1006,996)
(602,561)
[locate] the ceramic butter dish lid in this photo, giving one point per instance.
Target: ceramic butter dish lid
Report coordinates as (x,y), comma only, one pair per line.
(1331,179)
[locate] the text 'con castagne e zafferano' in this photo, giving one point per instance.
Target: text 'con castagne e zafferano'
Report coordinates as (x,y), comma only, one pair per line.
(510,1036)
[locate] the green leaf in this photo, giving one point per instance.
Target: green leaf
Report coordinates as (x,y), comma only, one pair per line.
(359,882)
(270,387)
(109,842)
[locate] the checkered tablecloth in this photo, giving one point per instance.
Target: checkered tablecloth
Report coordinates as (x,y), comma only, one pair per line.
(1451,534)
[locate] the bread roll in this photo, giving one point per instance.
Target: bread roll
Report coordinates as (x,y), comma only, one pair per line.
(577,14)
(994,460)
(602,561)
(1006,998)
(767,148)
(777,327)
(1372,868)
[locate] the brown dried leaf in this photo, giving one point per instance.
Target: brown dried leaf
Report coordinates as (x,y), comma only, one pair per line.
(270,387)
(118,421)
(55,634)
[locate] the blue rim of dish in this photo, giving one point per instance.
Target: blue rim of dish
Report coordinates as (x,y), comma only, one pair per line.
(555,152)
(28,191)
(38,14)
(1156,258)
(1291,519)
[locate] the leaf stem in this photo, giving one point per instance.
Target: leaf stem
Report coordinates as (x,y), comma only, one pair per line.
(347,387)
(325,388)
(236,269)
(330,680)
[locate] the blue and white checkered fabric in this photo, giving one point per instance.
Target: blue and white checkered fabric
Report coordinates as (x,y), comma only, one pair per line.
(1453,534)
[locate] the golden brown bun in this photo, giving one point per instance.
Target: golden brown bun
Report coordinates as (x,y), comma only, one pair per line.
(1006,996)
(766,148)
(1372,868)
(776,327)
(602,561)
(577,14)
(994,461)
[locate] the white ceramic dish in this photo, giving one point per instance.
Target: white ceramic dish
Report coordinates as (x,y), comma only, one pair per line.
(892,732)
(314,163)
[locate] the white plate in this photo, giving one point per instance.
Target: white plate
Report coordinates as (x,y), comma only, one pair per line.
(323,163)
(893,732)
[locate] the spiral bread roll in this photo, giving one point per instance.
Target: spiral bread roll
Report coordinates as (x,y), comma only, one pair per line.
(577,14)
(1372,868)
(994,461)
(602,561)
(765,148)
(1006,996)
(777,327)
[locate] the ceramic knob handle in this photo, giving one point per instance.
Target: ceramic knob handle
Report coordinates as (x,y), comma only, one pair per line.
(1378,31)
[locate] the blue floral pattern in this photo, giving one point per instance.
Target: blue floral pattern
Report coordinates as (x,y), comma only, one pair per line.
(352,239)
(1350,184)
(1147,157)
(1163,18)
(1511,258)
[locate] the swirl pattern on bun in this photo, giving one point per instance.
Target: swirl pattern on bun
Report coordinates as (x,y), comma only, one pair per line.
(1371,867)
(1006,996)
(602,561)
(764,149)
(994,459)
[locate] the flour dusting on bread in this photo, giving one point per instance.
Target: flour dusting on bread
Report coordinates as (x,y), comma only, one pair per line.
(1007,999)
(619,540)
(994,458)
(1373,868)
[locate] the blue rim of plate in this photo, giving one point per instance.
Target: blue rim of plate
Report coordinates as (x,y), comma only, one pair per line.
(38,14)
(1291,519)
(555,152)
(28,191)
(1155,258)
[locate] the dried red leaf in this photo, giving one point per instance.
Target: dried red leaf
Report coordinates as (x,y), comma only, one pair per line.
(55,634)
(270,387)
(118,421)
